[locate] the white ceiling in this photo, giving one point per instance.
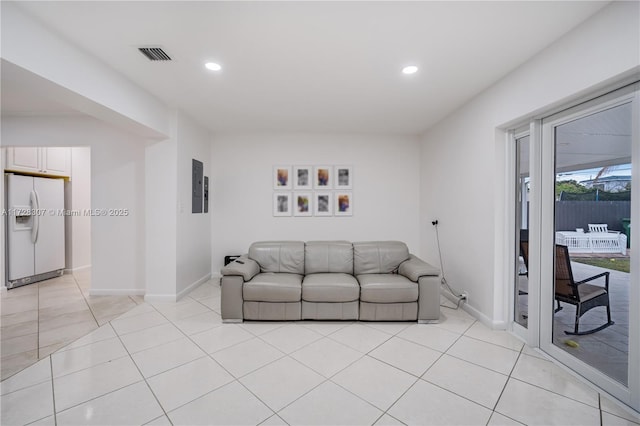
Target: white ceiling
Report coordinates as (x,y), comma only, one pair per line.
(600,139)
(309,66)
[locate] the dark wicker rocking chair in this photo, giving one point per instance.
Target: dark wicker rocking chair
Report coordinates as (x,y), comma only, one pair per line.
(584,296)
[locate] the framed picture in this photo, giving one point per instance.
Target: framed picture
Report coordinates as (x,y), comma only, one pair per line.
(323,203)
(282,177)
(302,177)
(282,204)
(302,204)
(343,176)
(322,176)
(343,203)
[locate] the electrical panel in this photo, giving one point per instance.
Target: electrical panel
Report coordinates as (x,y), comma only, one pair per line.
(206,194)
(197,170)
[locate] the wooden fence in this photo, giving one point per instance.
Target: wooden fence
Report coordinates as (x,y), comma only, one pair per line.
(578,214)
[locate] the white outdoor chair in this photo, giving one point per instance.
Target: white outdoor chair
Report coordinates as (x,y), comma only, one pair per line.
(601,228)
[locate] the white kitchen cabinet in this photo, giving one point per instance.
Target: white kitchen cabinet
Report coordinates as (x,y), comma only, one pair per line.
(43,161)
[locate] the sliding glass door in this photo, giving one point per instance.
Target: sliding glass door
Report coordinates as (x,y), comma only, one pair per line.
(521,278)
(577,286)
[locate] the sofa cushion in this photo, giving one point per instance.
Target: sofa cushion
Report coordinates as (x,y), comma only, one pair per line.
(328,256)
(378,257)
(330,288)
(387,288)
(279,256)
(272,287)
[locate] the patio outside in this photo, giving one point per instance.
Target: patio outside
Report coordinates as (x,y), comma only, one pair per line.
(608,349)
(592,221)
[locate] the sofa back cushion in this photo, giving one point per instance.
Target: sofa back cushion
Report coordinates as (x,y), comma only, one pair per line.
(378,257)
(328,256)
(279,256)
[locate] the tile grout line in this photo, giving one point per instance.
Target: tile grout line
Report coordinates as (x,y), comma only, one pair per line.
(209,355)
(472,363)
(141,375)
(510,377)
(237,379)
(274,414)
(386,412)
(284,356)
(85,300)
(478,365)
(107,393)
(84,369)
(53,392)
(600,408)
(477,339)
(505,387)
(556,393)
(151,328)
(425,372)
(115,390)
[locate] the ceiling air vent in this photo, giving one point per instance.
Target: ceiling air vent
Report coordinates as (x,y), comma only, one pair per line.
(154,53)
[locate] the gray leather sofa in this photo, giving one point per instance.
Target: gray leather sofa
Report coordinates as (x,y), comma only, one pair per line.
(330,280)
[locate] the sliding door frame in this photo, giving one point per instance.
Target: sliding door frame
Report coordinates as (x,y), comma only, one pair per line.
(542,241)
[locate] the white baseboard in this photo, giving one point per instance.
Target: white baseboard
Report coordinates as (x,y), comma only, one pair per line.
(471,310)
(116,292)
(193,286)
(68,271)
(79,268)
(492,324)
(155,298)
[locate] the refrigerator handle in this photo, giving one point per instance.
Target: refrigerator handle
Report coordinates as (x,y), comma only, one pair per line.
(35,206)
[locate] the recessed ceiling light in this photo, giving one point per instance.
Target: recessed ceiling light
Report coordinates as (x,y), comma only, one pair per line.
(213,66)
(411,69)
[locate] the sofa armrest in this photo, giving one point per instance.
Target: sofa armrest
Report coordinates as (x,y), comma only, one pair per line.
(231,301)
(242,266)
(414,268)
(429,299)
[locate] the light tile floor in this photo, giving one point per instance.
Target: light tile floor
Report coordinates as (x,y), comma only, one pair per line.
(176,363)
(40,318)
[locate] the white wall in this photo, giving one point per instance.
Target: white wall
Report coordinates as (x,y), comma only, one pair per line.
(79,80)
(178,242)
(467,150)
(117,169)
(160,219)
(77,197)
(386,189)
(80,200)
(193,230)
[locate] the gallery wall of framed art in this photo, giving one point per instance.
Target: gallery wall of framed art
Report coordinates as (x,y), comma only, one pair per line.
(322,190)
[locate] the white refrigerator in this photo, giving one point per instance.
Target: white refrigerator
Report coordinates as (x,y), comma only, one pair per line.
(34,228)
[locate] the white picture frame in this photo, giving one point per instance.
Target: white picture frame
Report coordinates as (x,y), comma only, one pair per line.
(323,203)
(343,177)
(302,177)
(281,204)
(323,177)
(343,203)
(282,178)
(302,204)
